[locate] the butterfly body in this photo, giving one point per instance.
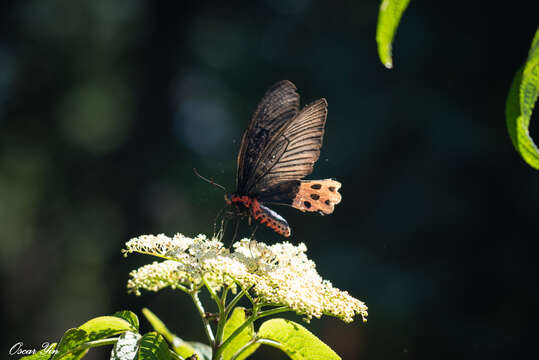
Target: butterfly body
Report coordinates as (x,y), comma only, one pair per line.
(261,213)
(278,149)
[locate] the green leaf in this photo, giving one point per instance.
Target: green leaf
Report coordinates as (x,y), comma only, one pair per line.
(158,325)
(388,20)
(128,316)
(520,103)
(72,339)
(234,321)
(94,329)
(203,351)
(296,341)
(44,354)
(126,347)
(153,347)
(183,348)
(104,326)
(76,355)
(180,346)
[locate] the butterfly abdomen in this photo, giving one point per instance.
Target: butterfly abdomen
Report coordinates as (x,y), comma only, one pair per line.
(263,214)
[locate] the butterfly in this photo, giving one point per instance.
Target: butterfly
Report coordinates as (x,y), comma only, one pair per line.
(278,149)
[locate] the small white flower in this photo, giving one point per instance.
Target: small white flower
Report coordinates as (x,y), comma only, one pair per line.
(277,275)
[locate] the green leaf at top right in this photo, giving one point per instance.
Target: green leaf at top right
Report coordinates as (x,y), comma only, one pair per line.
(519,106)
(389,18)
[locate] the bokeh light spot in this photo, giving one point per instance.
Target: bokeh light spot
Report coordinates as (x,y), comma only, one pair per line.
(97,116)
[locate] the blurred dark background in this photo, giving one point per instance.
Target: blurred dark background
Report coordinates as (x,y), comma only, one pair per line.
(106,106)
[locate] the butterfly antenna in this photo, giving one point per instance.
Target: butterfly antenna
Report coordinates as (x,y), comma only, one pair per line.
(209,181)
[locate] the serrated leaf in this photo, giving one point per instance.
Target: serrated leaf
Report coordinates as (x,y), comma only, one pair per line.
(152,346)
(520,103)
(72,339)
(104,326)
(126,347)
(234,321)
(295,340)
(389,18)
(44,354)
(128,316)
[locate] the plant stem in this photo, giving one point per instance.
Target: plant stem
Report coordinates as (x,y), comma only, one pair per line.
(90,344)
(255,341)
(220,328)
(212,293)
(200,308)
(256,315)
(225,293)
(245,291)
(234,301)
(222,317)
(243,348)
(273,311)
(249,321)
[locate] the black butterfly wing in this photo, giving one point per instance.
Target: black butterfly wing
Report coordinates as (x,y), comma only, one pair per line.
(289,156)
(279,105)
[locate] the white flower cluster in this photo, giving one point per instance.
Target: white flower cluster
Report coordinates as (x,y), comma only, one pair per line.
(277,275)
(185,265)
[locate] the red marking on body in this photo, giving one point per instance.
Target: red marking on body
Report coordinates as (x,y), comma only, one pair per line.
(244,199)
(262,214)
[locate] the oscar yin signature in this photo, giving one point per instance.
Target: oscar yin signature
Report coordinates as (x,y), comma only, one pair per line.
(18,349)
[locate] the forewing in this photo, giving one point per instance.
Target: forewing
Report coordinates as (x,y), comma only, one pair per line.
(291,155)
(279,105)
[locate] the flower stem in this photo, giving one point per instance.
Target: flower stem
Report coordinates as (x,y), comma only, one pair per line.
(200,308)
(243,348)
(245,291)
(212,293)
(222,317)
(249,321)
(234,301)
(273,311)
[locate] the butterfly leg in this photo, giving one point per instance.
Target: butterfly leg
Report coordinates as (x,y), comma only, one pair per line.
(221,232)
(235,231)
(253,233)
